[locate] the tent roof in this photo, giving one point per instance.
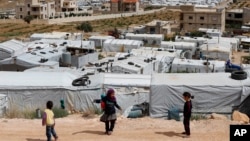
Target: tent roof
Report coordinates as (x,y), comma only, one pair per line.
(12,46)
(123,42)
(197,79)
(101,37)
(153,36)
(127,80)
(15,80)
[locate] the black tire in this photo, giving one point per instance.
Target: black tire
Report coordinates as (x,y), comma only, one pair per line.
(83,81)
(239,75)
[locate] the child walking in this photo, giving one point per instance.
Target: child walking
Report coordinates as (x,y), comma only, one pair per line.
(49,121)
(109,116)
(187,113)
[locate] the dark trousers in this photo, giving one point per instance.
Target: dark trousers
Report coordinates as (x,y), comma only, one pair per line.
(50,130)
(186,123)
(110,127)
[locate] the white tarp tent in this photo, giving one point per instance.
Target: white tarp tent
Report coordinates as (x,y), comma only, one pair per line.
(153,39)
(196,66)
(216,51)
(99,40)
(180,46)
(118,45)
(11,48)
(131,89)
(31,90)
(213,92)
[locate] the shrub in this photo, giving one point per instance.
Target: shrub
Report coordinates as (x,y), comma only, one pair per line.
(59,113)
(28,19)
(85,26)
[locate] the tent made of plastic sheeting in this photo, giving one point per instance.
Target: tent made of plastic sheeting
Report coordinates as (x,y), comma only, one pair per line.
(163,57)
(196,66)
(198,40)
(180,46)
(215,51)
(128,80)
(31,90)
(99,40)
(134,65)
(118,45)
(11,48)
(131,89)
(153,39)
(213,92)
(41,57)
(74,71)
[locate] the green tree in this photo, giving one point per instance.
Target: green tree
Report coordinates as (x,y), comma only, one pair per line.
(28,19)
(85,26)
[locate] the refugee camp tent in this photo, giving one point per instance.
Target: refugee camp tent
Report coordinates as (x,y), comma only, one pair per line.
(11,48)
(180,46)
(118,45)
(31,90)
(99,40)
(213,92)
(215,51)
(131,89)
(197,66)
(153,39)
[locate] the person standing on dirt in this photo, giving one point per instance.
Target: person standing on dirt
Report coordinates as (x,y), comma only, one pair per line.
(109,116)
(187,113)
(49,121)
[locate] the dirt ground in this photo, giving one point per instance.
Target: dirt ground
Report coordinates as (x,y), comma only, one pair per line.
(77,128)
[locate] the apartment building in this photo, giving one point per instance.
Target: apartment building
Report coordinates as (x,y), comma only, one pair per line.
(44,9)
(194,18)
(41,9)
(246,15)
(117,6)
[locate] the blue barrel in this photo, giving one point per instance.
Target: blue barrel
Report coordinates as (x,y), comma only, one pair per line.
(135,114)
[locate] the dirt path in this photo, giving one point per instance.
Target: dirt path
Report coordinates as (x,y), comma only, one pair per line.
(76,128)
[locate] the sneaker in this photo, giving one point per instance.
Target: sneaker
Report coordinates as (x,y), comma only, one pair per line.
(183,133)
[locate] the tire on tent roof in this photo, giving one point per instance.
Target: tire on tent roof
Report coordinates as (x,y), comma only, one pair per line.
(239,75)
(82,81)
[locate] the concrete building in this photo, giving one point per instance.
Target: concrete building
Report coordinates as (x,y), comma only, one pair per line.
(246,15)
(44,9)
(117,6)
(41,9)
(193,18)
(158,27)
(234,16)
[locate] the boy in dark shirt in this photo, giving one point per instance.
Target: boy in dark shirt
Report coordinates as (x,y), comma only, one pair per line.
(187,112)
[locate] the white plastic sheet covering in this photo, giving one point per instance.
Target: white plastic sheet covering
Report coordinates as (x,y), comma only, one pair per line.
(196,66)
(11,48)
(214,92)
(117,45)
(31,90)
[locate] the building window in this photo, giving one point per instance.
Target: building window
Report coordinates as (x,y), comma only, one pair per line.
(190,23)
(21,9)
(202,24)
(229,15)
(21,16)
(202,18)
(28,12)
(45,8)
(238,15)
(190,17)
(28,5)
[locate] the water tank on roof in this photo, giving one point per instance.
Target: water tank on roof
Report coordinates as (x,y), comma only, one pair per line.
(66,58)
(3,104)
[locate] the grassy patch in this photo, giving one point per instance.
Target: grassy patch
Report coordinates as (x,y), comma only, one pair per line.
(198,117)
(59,113)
